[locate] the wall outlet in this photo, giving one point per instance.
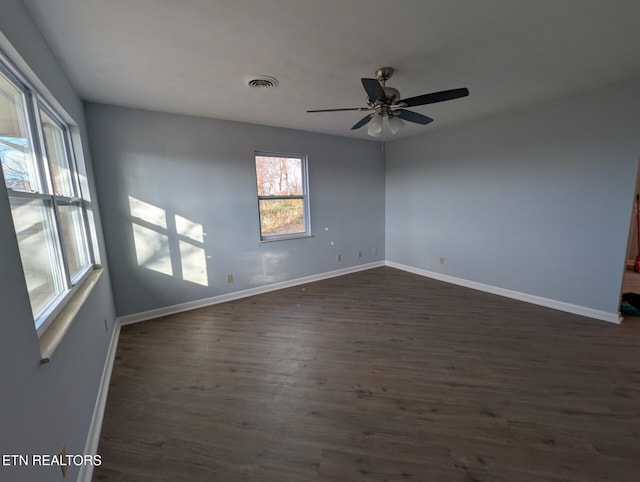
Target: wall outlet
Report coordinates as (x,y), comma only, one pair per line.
(441,259)
(339,258)
(106,325)
(359,254)
(374,251)
(229,278)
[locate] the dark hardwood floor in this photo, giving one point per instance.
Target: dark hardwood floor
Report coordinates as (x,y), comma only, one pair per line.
(376,376)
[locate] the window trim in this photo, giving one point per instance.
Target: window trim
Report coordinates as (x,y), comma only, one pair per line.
(57,315)
(304,165)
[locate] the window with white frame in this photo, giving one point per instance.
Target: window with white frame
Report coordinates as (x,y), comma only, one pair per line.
(47,206)
(283,199)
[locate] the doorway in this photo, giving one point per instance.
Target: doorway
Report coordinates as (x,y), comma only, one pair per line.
(631,278)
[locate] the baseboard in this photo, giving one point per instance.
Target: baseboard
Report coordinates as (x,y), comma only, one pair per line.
(516,295)
(236,295)
(93,437)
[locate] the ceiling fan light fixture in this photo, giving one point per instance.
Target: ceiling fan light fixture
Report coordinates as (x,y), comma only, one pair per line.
(374,129)
(395,124)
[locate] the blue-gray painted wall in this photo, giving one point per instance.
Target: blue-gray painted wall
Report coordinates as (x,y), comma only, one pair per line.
(536,201)
(43,407)
(204,170)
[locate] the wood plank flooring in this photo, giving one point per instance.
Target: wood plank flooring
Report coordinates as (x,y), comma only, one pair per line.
(380,375)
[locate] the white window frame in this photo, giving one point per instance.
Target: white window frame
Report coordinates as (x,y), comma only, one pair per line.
(33,104)
(304,163)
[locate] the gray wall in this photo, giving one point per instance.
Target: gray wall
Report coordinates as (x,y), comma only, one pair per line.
(43,407)
(204,170)
(537,201)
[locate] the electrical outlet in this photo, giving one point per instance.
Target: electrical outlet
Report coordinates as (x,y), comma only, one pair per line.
(374,251)
(339,258)
(63,456)
(106,325)
(441,259)
(359,254)
(229,278)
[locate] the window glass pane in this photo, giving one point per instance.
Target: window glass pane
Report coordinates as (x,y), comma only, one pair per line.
(37,241)
(279,176)
(281,216)
(56,156)
(73,237)
(78,167)
(92,235)
(16,151)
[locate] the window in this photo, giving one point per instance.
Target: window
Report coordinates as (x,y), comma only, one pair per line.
(47,206)
(283,200)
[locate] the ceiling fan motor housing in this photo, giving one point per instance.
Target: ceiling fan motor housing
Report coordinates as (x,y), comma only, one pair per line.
(392,94)
(383,74)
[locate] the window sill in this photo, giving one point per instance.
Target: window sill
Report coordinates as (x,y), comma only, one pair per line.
(285,237)
(55,332)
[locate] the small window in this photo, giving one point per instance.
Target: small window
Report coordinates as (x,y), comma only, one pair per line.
(283,200)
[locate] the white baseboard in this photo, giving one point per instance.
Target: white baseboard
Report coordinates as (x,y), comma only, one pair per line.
(93,437)
(516,295)
(214,300)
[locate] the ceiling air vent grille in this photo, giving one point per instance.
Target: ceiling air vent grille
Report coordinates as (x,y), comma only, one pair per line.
(262,82)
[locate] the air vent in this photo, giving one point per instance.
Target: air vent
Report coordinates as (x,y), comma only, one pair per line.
(261,82)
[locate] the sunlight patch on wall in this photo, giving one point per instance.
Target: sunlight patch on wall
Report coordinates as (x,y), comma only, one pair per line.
(171,245)
(147,212)
(192,257)
(186,227)
(152,245)
(152,250)
(194,264)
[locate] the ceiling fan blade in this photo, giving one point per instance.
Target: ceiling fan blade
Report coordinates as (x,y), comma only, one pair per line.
(434,97)
(362,122)
(374,90)
(413,117)
(338,110)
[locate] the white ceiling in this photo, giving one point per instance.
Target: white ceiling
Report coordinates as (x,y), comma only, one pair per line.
(193,56)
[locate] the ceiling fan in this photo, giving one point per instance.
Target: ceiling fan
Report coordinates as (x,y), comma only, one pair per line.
(386,102)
